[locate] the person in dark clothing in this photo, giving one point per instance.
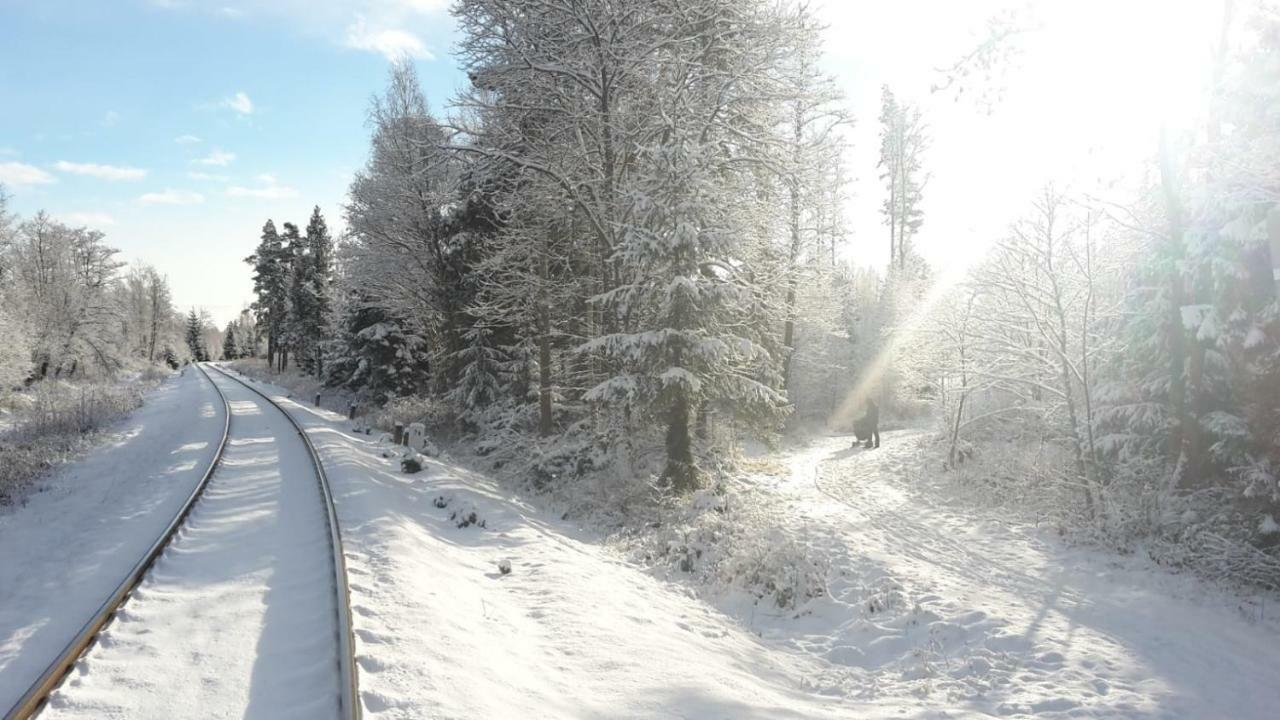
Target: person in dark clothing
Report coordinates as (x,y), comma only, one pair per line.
(871,422)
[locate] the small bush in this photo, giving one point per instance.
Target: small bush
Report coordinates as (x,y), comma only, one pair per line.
(722,538)
(408,410)
(410,465)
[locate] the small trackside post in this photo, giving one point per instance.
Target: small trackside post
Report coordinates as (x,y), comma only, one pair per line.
(351,412)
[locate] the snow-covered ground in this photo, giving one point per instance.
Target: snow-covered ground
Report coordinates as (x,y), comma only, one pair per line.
(572,632)
(236,619)
(933,609)
(932,601)
(66,548)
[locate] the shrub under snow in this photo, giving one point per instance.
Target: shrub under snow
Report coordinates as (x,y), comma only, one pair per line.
(54,420)
(726,538)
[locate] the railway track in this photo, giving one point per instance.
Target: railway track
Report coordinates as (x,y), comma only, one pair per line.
(223,557)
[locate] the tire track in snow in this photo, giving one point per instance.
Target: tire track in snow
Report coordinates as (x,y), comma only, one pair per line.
(863,490)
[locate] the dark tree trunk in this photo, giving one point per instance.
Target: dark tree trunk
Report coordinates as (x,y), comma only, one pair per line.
(1173,321)
(544,372)
(681,473)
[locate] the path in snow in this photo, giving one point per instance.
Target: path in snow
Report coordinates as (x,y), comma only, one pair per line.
(985,617)
(236,618)
(70,544)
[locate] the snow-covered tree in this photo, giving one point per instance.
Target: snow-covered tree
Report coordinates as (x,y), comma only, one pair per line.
(375,354)
(903,139)
(194,337)
(813,117)
(146,308)
(229,349)
(270,266)
(63,282)
(313,322)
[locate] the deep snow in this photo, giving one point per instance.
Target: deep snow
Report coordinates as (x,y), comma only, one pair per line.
(936,600)
(236,618)
(935,608)
(67,547)
(572,631)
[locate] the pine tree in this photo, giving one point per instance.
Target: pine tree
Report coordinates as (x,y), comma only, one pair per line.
(319,259)
(195,342)
(297,299)
(376,356)
(478,388)
(270,284)
(229,349)
(697,348)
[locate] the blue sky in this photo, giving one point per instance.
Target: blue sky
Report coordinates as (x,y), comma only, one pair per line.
(179,126)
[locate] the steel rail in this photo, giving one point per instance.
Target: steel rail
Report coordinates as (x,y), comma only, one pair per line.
(349,692)
(33,700)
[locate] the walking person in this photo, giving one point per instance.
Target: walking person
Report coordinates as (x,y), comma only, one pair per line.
(871,421)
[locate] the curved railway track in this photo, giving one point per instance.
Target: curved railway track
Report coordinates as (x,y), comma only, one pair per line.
(346,695)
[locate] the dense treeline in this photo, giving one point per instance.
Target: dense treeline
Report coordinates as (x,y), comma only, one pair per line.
(291,276)
(625,239)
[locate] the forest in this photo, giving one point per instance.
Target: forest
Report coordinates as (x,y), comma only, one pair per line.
(620,256)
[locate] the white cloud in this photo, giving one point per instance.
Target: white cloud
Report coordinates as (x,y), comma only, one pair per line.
(111,118)
(89,219)
(425,7)
(186,139)
(206,177)
(240,103)
(16,173)
(104,172)
(266,179)
(391,43)
(217,157)
(266,192)
(171,197)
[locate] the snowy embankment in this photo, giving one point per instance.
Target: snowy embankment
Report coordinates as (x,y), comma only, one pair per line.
(571,631)
(53,421)
(77,535)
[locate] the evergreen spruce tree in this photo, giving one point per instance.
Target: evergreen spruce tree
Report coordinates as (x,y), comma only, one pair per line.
(481,361)
(319,259)
(297,301)
(229,349)
(270,278)
(697,348)
(378,357)
(194,342)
